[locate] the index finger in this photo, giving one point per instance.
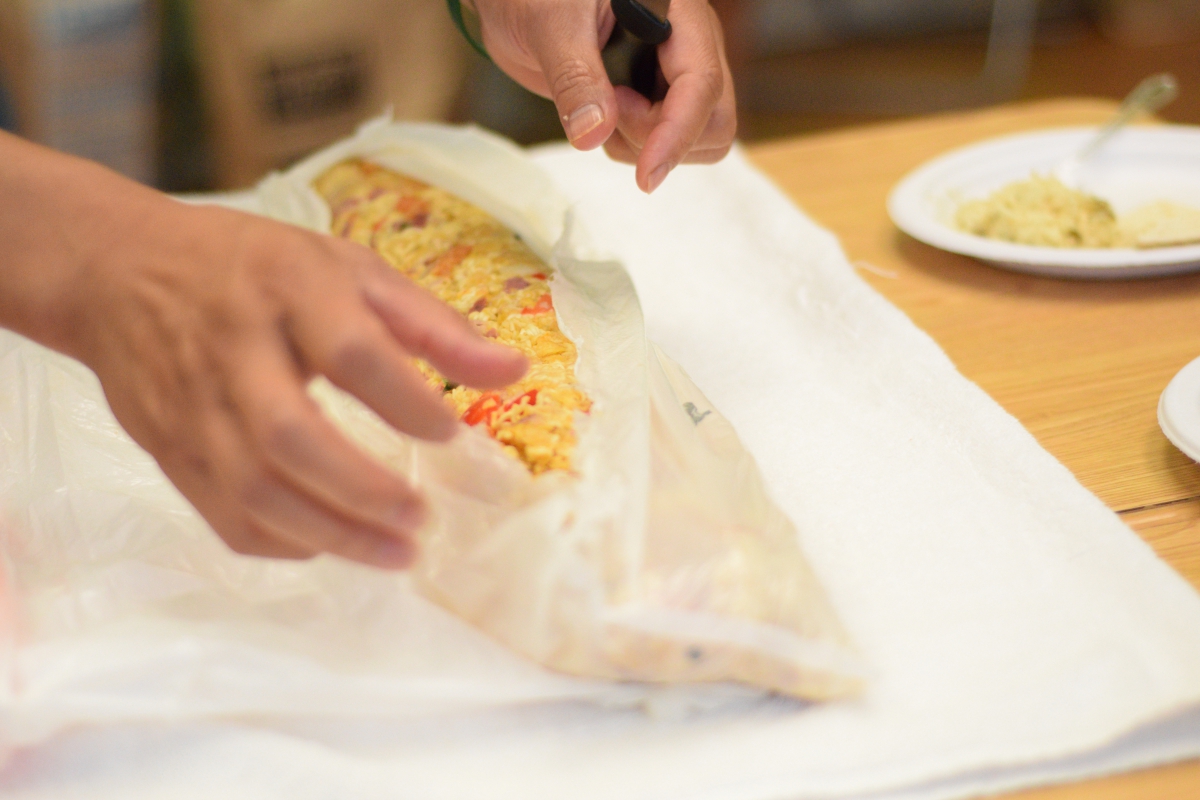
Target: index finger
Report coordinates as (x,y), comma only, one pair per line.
(299,444)
(691,63)
(429,329)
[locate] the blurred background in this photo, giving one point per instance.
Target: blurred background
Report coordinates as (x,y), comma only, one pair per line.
(196,95)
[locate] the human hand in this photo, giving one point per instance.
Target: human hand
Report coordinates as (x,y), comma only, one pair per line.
(204,326)
(552,48)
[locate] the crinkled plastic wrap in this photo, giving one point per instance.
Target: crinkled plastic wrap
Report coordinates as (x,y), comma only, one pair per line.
(660,560)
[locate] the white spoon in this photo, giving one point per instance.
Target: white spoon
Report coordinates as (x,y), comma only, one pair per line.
(1149,96)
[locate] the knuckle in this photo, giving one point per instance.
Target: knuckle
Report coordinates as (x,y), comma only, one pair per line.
(348,256)
(254,491)
(279,434)
(571,78)
(353,353)
(448,335)
(261,259)
(712,83)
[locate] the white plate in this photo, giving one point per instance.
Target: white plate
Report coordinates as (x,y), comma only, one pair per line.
(1139,166)
(1179,410)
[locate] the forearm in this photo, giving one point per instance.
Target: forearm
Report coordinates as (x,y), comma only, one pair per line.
(58,216)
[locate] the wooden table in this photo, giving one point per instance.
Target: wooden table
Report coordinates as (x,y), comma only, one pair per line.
(1080,364)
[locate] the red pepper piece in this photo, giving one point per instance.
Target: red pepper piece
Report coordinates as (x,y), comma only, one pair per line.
(375,229)
(539,275)
(483,409)
(450,259)
(542,306)
(531,396)
(412,206)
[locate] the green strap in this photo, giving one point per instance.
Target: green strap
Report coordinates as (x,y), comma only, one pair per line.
(469,25)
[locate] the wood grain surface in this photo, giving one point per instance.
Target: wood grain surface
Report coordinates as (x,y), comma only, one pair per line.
(1080,363)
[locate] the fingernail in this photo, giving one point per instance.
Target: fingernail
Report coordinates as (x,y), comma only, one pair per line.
(583,121)
(656,178)
(393,553)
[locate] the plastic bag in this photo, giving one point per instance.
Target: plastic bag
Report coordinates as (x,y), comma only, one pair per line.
(663,559)
(119,603)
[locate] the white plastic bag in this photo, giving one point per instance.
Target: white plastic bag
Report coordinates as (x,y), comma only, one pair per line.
(119,603)
(664,559)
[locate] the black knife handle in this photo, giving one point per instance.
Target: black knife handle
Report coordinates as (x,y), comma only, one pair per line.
(640,23)
(631,63)
(646,76)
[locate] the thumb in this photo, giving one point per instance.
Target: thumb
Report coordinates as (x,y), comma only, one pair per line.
(567,46)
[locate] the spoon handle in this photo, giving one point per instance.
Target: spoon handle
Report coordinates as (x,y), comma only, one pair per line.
(1149,96)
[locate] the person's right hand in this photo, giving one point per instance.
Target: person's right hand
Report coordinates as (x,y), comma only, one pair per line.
(204,326)
(553,48)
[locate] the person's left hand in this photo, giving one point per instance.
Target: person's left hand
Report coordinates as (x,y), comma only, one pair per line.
(552,48)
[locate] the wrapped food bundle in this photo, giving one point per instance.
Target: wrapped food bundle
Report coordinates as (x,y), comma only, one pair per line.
(599,516)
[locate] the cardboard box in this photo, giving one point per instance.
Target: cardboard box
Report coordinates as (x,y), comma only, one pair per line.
(14,43)
(82,77)
(1147,23)
(285,77)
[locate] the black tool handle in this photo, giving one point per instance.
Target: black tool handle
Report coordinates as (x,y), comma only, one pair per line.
(646,76)
(640,23)
(634,64)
